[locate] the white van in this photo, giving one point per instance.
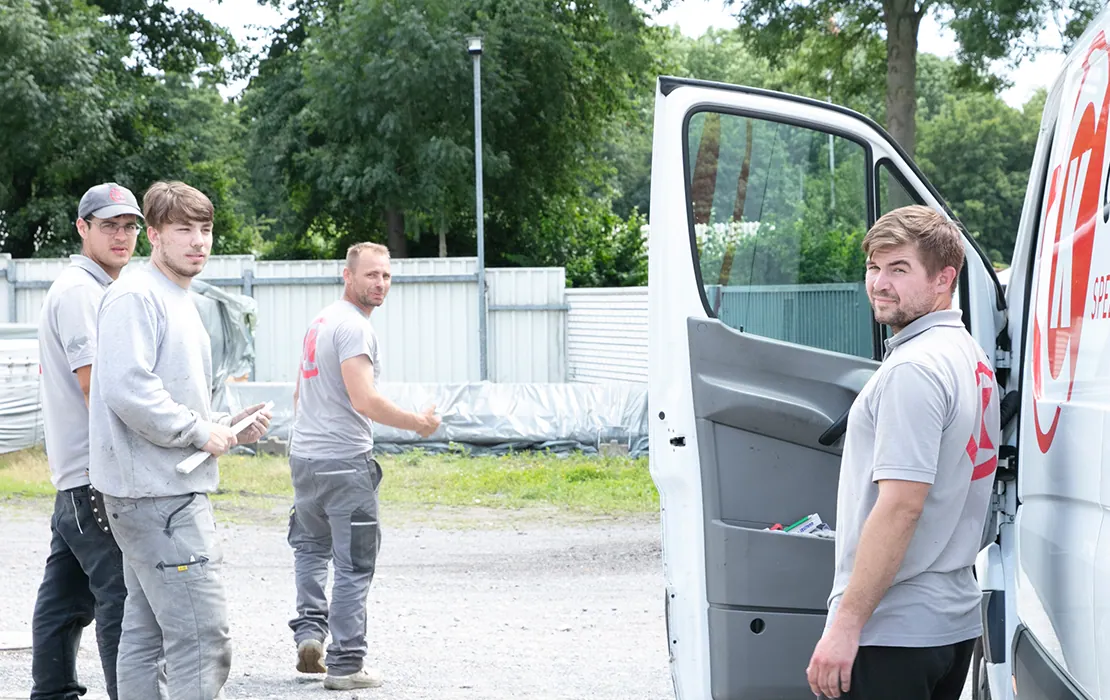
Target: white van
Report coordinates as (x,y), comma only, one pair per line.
(761,336)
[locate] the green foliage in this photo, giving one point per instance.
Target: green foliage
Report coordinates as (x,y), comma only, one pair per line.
(978,151)
(349,126)
(53,115)
(74,112)
(359,125)
(985,31)
(597,247)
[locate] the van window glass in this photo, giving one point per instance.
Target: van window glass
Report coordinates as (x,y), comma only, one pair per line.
(892,193)
(779,215)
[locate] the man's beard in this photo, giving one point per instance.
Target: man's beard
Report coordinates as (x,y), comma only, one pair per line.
(178,269)
(367,300)
(901,316)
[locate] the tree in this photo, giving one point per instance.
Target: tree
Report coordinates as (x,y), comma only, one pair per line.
(986,31)
(362,116)
(168,40)
(80,105)
(53,116)
(977,151)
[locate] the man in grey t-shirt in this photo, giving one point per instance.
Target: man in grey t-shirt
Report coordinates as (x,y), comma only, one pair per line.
(83,577)
(335,477)
(915,481)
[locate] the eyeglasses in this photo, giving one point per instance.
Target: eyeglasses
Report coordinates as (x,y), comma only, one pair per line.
(112,228)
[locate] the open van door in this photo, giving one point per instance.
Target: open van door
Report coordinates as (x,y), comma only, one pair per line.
(761,335)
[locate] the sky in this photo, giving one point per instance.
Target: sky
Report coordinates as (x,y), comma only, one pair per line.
(693,17)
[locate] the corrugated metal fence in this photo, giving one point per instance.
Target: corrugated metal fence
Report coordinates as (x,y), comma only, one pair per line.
(607,335)
(832,316)
(539,331)
(607,328)
(428,328)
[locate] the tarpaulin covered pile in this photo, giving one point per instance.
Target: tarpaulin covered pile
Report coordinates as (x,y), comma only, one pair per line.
(20,404)
(491,418)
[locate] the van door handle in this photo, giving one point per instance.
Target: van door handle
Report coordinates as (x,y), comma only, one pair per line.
(836,430)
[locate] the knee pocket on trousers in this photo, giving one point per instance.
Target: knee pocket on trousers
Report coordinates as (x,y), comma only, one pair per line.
(365,538)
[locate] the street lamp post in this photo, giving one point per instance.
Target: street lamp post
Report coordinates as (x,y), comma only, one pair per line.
(474,48)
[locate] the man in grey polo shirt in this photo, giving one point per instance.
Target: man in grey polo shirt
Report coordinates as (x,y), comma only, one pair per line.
(83,578)
(335,477)
(915,482)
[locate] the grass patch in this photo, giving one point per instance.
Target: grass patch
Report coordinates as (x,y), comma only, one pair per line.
(582,483)
(25,474)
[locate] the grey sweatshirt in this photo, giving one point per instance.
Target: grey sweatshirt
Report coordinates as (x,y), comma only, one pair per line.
(150,398)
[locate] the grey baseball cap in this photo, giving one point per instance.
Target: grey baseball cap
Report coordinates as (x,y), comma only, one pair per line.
(107,200)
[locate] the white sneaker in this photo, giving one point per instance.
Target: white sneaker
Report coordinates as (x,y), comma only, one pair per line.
(310,657)
(366,678)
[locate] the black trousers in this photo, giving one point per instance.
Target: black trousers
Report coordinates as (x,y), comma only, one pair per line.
(911,673)
(83,581)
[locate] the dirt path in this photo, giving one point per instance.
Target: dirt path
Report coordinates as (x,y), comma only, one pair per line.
(492,606)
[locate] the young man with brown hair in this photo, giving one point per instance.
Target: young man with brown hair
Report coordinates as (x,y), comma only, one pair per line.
(915,481)
(336,478)
(83,578)
(150,408)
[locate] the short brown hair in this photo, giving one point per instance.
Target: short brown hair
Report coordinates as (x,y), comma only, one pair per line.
(355,251)
(173,202)
(938,240)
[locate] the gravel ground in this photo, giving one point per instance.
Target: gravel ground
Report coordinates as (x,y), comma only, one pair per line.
(518,608)
(487,606)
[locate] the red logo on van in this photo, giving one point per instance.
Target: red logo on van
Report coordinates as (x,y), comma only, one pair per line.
(1079,205)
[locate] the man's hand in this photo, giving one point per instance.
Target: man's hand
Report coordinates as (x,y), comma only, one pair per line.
(253,432)
(220,440)
(429,422)
(830,668)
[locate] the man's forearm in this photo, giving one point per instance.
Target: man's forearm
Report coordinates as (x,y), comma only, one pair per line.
(381,410)
(882,546)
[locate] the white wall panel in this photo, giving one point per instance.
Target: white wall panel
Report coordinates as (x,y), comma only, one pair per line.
(607,334)
(526,344)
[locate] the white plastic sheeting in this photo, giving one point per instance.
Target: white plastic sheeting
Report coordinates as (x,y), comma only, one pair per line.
(20,405)
(229,319)
(491,418)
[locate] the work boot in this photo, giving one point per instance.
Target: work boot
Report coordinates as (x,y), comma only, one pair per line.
(366,678)
(310,657)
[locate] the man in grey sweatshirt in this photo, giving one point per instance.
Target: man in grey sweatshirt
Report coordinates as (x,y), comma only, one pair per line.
(150,408)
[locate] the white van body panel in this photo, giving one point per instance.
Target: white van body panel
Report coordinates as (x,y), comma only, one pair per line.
(1061,547)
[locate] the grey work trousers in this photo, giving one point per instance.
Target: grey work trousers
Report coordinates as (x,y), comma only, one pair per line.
(334,518)
(176,608)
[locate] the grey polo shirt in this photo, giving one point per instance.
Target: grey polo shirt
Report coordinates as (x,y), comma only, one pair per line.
(930,415)
(67,342)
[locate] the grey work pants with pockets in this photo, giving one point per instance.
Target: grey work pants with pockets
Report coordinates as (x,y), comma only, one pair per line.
(176,607)
(334,518)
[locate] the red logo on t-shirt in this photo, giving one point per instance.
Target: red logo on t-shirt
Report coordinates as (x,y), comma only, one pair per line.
(308,359)
(983,449)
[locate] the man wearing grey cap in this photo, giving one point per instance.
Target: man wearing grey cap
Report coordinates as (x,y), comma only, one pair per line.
(83,579)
